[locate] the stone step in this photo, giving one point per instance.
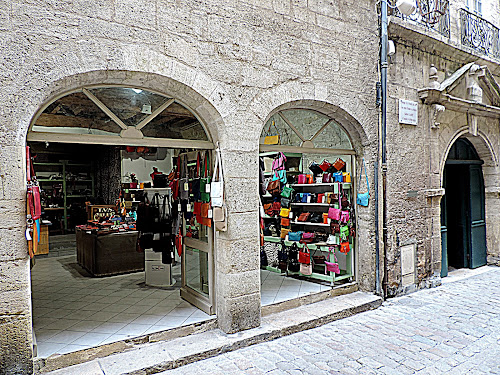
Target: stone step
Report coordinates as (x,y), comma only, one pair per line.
(151,358)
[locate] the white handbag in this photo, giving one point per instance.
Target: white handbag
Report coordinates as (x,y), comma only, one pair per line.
(217,187)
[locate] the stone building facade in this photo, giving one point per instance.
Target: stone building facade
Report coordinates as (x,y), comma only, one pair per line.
(233,64)
(451,70)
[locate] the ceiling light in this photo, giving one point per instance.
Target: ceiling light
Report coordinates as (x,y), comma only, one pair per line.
(137,91)
(406,7)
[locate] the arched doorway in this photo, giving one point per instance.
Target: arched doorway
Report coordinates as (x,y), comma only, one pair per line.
(463,225)
(135,128)
(308,169)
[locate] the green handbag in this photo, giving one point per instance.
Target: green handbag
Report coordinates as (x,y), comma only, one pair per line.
(287,192)
(344,231)
(205,181)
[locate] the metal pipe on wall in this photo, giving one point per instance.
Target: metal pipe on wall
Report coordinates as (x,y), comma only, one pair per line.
(383,79)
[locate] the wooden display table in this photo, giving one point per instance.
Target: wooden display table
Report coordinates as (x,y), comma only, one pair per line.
(108,254)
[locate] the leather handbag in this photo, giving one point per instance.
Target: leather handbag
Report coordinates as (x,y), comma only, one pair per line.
(276,208)
(285,222)
(309,178)
(293,251)
(304,216)
(344,247)
(339,164)
(335,227)
(346,177)
(305,197)
(319,259)
(325,165)
(344,202)
(363,198)
(294,236)
(285,202)
(274,187)
(344,231)
(334,213)
(315,168)
(279,162)
(304,255)
(287,192)
(344,217)
(307,237)
(284,232)
(305,269)
(327,178)
(319,198)
(272,136)
(293,265)
(338,177)
(301,179)
(284,212)
(316,218)
(332,267)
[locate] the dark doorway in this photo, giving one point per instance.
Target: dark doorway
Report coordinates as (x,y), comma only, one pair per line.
(463,226)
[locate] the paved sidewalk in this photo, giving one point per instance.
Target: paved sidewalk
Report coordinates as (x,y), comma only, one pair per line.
(452,329)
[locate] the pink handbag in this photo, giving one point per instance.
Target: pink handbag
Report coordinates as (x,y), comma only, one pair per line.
(334,213)
(332,267)
(344,217)
(302,179)
(279,162)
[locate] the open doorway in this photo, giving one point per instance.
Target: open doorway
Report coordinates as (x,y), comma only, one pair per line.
(463,226)
(123,175)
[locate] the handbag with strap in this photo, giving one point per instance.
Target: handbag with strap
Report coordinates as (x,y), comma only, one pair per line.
(287,192)
(339,164)
(272,137)
(217,184)
(279,162)
(308,238)
(325,165)
(274,187)
(205,180)
(363,198)
(305,269)
(304,255)
(344,247)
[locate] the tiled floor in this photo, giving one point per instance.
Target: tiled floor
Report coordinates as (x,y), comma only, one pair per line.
(276,287)
(72,311)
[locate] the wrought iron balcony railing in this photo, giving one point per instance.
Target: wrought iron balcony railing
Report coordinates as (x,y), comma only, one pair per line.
(433,14)
(479,34)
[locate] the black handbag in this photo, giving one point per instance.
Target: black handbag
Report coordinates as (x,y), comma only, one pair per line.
(263,258)
(285,202)
(315,168)
(293,265)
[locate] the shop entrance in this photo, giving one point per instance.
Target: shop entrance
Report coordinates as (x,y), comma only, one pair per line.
(123,173)
(463,227)
(308,218)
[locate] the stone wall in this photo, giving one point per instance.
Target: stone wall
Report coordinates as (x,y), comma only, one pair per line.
(416,154)
(232,63)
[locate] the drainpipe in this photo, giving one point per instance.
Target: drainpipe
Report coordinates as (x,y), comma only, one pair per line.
(383,78)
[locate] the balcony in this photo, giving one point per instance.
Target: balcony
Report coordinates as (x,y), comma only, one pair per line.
(480,35)
(433,14)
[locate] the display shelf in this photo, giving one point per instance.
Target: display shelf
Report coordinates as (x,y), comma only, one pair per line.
(312,204)
(49,180)
(345,185)
(308,223)
(78,195)
(48,164)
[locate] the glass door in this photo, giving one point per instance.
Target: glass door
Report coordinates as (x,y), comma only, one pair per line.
(197,262)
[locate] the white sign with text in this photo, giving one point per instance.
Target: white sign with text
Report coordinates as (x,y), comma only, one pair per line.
(408,112)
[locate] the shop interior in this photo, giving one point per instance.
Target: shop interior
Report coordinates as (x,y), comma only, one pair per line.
(125,237)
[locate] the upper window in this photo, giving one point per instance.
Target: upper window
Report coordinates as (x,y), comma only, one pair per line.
(474,6)
(305,128)
(121,112)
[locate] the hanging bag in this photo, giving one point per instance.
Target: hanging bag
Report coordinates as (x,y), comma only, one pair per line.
(330,266)
(304,255)
(205,181)
(272,137)
(363,198)
(306,269)
(184,181)
(217,184)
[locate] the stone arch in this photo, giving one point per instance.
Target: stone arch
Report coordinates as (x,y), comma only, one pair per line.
(123,65)
(309,95)
(347,122)
(484,149)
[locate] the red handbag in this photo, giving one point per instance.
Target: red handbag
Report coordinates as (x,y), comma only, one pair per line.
(304,256)
(304,216)
(178,243)
(34,202)
(285,222)
(325,165)
(307,237)
(327,177)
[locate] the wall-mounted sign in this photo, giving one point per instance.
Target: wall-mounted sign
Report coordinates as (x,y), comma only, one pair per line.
(408,112)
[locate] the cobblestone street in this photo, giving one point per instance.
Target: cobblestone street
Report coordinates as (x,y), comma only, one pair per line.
(452,329)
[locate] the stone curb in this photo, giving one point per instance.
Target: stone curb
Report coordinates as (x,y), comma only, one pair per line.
(161,356)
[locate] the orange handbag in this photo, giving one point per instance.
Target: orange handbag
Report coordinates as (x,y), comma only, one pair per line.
(285,222)
(344,247)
